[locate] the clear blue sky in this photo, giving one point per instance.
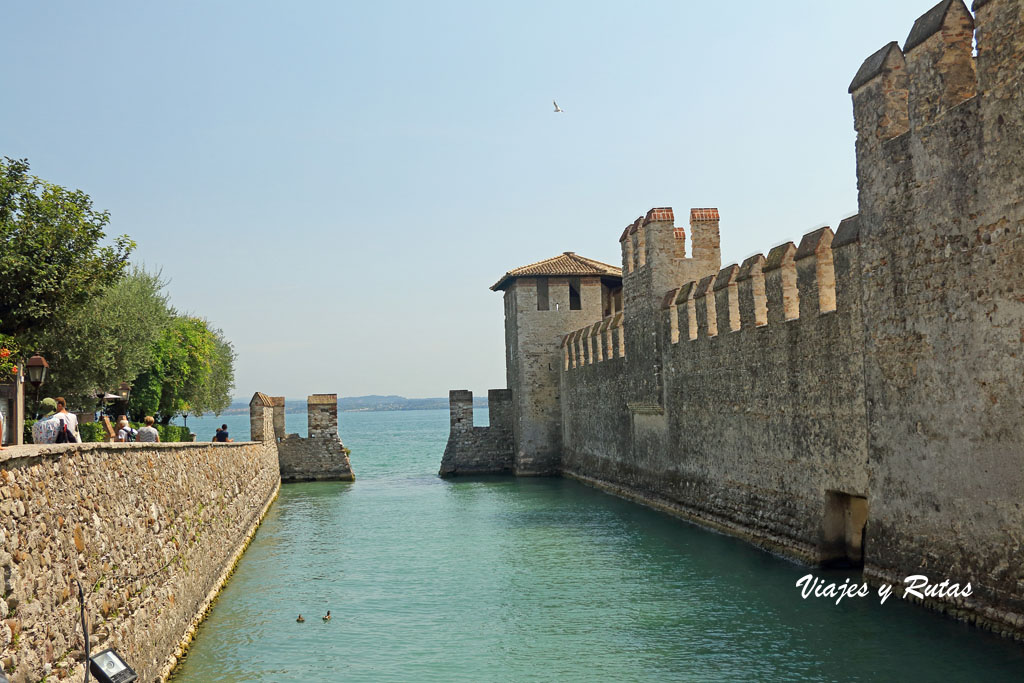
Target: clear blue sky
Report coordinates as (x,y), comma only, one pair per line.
(336,185)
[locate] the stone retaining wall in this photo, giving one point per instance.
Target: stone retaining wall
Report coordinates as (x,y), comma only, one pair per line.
(150,530)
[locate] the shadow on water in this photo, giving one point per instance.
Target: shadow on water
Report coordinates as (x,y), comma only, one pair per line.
(502,579)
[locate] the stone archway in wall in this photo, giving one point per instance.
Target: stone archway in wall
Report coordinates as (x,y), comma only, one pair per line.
(844,527)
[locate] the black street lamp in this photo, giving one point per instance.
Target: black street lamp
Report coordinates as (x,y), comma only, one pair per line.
(36,368)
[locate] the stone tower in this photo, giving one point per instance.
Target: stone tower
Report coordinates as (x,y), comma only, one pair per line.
(654,262)
(544,301)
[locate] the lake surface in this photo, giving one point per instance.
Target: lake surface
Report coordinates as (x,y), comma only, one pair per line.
(537,580)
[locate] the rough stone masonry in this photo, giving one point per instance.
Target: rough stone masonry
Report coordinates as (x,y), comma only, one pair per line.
(852,398)
(150,531)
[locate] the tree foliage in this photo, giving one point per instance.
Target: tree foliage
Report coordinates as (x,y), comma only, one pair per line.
(108,340)
(67,293)
(51,257)
(192,370)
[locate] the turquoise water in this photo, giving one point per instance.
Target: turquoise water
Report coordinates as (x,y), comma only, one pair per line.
(537,580)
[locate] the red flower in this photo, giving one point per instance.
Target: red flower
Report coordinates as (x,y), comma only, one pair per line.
(4,353)
(14,369)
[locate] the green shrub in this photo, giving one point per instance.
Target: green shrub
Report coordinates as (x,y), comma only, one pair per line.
(92,432)
(174,433)
(28,431)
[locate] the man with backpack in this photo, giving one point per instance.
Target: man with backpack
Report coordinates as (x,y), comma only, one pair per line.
(125,433)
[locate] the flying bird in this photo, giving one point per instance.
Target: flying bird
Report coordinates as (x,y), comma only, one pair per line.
(558,110)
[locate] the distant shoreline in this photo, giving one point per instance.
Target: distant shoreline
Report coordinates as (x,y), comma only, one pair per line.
(362,404)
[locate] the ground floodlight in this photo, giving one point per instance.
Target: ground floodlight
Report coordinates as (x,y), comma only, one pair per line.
(108,667)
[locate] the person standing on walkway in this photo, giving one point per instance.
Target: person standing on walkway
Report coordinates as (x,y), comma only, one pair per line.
(69,418)
(125,432)
(149,434)
(45,428)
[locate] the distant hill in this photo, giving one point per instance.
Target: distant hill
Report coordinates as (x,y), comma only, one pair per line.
(354,404)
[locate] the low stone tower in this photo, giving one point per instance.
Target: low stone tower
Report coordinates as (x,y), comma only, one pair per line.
(479,450)
(544,301)
(266,417)
(261,417)
(320,457)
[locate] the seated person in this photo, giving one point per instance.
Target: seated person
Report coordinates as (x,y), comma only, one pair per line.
(222,435)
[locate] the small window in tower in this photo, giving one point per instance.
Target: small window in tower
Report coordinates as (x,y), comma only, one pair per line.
(575,303)
(542,294)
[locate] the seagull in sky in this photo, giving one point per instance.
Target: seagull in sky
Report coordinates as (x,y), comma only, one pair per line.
(558,110)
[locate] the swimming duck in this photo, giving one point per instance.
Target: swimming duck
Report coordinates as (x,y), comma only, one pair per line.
(300,619)
(327,617)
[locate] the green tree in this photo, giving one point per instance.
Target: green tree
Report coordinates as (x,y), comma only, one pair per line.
(214,395)
(51,257)
(108,340)
(192,371)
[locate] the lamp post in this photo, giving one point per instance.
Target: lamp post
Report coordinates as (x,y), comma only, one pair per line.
(125,391)
(36,367)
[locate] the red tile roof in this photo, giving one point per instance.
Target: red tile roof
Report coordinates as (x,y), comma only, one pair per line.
(565,264)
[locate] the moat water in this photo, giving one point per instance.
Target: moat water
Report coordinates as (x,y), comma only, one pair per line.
(536,580)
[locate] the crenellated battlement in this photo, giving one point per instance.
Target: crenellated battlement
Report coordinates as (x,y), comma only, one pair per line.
(792,283)
(321,456)
(595,343)
(898,91)
(655,239)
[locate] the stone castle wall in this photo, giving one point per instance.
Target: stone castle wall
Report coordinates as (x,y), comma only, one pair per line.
(479,450)
(759,419)
(320,457)
(940,161)
(875,376)
(150,530)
